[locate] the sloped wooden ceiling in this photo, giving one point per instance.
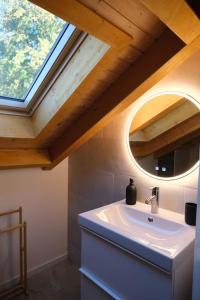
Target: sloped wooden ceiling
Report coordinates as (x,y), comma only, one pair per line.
(146,38)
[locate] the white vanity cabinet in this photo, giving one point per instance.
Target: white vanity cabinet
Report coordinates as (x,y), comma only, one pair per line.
(115,266)
(111,272)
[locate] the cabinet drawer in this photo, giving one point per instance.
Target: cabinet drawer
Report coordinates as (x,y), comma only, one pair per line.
(122,272)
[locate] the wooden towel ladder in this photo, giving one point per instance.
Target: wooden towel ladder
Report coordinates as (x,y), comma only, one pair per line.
(21,286)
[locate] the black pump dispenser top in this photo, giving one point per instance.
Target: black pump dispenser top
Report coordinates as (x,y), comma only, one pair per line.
(131,193)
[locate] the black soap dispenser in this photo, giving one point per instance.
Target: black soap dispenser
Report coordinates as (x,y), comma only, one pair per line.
(131,193)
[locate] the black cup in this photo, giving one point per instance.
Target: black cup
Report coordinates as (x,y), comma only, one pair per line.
(190,213)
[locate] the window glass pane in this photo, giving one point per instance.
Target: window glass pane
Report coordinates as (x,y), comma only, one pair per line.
(27,36)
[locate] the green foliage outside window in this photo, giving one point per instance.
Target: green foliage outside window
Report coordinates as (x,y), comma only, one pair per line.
(27,34)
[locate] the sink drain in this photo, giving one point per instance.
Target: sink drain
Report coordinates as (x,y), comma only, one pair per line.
(150,219)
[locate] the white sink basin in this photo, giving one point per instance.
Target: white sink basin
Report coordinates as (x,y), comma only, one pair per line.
(131,218)
(161,238)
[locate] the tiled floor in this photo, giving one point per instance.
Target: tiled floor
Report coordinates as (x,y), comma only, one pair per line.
(60,282)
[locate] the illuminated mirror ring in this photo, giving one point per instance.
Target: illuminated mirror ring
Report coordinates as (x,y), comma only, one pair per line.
(161,141)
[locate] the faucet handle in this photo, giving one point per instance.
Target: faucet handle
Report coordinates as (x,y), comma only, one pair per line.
(154,189)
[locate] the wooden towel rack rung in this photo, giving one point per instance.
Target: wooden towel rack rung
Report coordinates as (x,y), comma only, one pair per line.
(10,212)
(22,286)
(12,228)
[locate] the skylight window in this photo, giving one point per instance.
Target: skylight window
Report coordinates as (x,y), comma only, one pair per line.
(30,41)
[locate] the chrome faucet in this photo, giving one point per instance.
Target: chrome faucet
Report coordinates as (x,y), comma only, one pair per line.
(154,200)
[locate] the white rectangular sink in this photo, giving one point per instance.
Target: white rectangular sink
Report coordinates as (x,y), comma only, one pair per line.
(161,238)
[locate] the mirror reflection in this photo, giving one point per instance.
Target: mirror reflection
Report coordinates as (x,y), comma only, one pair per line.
(164,135)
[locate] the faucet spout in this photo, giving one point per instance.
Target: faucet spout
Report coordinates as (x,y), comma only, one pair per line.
(154,200)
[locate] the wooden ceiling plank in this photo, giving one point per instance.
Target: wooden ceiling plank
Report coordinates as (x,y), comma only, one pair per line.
(124,92)
(178,16)
(86,20)
(21,158)
(13,126)
(141,39)
(138,14)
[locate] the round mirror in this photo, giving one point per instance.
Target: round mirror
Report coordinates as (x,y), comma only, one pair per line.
(164,135)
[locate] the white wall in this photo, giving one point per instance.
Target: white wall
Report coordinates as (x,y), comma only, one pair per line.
(43,196)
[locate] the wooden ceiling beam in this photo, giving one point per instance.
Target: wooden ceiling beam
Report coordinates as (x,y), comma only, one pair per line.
(192,138)
(87,20)
(20,158)
(124,92)
(176,116)
(178,16)
(165,139)
(154,110)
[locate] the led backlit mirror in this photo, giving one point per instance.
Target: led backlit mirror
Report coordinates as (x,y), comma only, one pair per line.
(164,135)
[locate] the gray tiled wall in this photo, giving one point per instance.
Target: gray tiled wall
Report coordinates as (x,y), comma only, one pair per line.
(99,172)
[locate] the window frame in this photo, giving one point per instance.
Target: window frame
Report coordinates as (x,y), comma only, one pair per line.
(63,49)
